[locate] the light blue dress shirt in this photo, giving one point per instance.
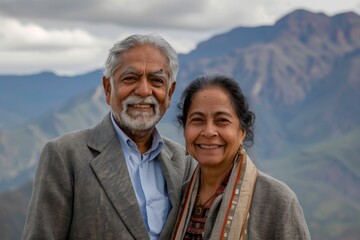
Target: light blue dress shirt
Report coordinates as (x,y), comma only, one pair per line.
(148,180)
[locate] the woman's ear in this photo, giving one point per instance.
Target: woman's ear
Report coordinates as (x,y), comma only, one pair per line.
(243,135)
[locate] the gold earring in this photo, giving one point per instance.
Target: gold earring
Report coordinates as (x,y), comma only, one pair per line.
(241,150)
(186,152)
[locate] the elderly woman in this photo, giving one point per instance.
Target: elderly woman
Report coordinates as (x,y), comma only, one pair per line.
(227,197)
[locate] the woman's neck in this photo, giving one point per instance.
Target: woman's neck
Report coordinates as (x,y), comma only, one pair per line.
(210,180)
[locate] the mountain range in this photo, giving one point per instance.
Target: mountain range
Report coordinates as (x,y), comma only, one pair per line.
(301,76)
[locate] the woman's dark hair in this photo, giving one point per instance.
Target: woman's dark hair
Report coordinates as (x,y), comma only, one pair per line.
(232,88)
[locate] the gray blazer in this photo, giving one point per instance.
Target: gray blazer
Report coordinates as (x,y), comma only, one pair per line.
(82,188)
(275,212)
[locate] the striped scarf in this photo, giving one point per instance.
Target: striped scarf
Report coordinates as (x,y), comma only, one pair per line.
(232,218)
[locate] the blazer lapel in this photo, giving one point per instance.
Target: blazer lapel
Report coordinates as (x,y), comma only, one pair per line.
(173,183)
(111,169)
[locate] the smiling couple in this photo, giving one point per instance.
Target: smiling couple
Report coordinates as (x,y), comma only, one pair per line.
(123,180)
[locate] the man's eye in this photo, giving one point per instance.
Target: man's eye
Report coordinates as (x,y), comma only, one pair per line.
(158,81)
(130,78)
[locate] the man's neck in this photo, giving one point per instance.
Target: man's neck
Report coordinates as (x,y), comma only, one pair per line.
(142,139)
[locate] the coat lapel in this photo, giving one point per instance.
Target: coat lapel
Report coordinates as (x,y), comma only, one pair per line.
(173,183)
(111,170)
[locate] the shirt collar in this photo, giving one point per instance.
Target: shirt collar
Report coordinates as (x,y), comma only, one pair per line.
(127,144)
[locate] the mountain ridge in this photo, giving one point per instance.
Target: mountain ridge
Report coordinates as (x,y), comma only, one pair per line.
(36,94)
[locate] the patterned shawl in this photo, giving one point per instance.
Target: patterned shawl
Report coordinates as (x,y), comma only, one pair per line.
(232,218)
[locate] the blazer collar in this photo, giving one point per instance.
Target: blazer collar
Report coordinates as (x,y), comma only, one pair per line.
(111,170)
(169,165)
(102,134)
(169,171)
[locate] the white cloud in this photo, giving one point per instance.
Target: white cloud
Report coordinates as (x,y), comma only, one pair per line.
(73,36)
(184,14)
(29,46)
(16,35)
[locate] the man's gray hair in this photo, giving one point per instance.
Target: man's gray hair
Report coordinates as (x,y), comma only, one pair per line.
(114,60)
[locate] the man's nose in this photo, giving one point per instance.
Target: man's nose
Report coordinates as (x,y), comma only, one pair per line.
(143,88)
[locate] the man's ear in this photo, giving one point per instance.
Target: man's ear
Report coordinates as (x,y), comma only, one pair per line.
(170,93)
(107,89)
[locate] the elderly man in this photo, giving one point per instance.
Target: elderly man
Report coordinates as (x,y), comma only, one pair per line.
(120,179)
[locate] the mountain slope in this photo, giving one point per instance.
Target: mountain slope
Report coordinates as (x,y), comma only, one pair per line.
(326,177)
(301,50)
(23,98)
(23,145)
(13,209)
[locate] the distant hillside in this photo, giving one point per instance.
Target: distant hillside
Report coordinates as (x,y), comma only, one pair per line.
(304,59)
(326,177)
(13,209)
(20,148)
(279,63)
(301,76)
(22,98)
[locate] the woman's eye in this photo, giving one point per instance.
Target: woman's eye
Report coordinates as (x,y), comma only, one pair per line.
(222,120)
(196,120)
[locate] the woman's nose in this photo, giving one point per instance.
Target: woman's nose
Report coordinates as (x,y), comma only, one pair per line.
(209,130)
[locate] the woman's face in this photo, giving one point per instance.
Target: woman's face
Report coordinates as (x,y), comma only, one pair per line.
(212,131)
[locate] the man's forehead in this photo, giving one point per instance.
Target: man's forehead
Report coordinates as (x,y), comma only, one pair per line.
(156,71)
(144,59)
(142,50)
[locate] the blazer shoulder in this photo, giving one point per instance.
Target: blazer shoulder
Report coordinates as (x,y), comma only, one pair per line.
(178,156)
(273,189)
(97,135)
(272,198)
(72,137)
(173,146)
(276,208)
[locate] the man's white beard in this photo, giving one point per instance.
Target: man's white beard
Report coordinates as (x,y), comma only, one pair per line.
(138,120)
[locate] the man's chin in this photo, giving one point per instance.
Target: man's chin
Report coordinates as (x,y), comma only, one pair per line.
(142,124)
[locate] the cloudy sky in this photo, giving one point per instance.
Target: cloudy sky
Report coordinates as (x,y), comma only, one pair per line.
(73,36)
